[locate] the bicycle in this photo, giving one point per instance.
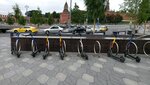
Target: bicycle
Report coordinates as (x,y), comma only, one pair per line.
(62,47)
(81,50)
(34,47)
(46,52)
(127,50)
(16,49)
(146,47)
(99,48)
(112,54)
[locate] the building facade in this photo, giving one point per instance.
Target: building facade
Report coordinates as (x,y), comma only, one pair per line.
(3,17)
(65,15)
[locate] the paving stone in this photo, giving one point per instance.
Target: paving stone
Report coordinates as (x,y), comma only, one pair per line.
(30,61)
(1,77)
(21,69)
(43,78)
(88,78)
(27,72)
(43,65)
(25,59)
(23,81)
(96,69)
(141,83)
(9,74)
(61,76)
(50,58)
(33,82)
(72,68)
(9,65)
(16,77)
(82,82)
(131,65)
(50,67)
(98,65)
(77,65)
(102,60)
(119,70)
(81,61)
(67,59)
(8,59)
(131,72)
(129,81)
(144,67)
(53,81)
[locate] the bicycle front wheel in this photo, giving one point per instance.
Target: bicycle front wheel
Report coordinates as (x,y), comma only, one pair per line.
(114,49)
(33,46)
(18,46)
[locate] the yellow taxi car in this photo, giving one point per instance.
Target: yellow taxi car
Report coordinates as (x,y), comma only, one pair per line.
(25,29)
(103,29)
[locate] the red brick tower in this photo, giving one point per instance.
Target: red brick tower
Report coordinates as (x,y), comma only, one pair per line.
(65,15)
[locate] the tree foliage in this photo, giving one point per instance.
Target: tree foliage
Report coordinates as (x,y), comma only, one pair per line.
(113,18)
(17,12)
(22,20)
(144,11)
(131,7)
(78,16)
(0,19)
(95,9)
(10,19)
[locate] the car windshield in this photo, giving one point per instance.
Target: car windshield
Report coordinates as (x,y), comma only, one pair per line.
(27,27)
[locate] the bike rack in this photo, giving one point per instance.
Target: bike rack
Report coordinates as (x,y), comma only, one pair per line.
(80,49)
(16,49)
(128,55)
(148,42)
(99,48)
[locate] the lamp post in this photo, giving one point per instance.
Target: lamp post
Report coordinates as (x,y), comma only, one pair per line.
(26,6)
(70,13)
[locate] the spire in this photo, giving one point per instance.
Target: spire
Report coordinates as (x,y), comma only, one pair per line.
(66,6)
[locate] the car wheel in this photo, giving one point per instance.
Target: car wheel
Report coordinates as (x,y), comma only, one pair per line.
(47,32)
(15,31)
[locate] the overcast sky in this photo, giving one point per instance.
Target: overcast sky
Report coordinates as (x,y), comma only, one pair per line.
(47,5)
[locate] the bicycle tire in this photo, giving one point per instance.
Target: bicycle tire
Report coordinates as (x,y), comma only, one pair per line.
(116,53)
(64,46)
(148,42)
(17,46)
(47,47)
(78,48)
(33,46)
(136,48)
(99,47)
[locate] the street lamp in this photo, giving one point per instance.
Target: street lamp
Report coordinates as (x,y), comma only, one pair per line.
(26,6)
(70,13)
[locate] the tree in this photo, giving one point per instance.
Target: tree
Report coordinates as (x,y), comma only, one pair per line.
(36,16)
(17,12)
(95,9)
(144,11)
(50,20)
(10,19)
(131,7)
(78,16)
(22,20)
(1,19)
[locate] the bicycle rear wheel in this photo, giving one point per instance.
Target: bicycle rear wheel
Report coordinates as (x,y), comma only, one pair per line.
(146,47)
(129,44)
(115,47)
(33,46)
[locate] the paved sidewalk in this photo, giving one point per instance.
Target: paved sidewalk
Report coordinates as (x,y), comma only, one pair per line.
(71,71)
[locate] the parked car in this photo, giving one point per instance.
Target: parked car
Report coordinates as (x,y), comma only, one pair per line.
(70,29)
(102,29)
(54,29)
(25,29)
(79,29)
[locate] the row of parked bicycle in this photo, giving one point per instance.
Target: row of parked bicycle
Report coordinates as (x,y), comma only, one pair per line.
(16,48)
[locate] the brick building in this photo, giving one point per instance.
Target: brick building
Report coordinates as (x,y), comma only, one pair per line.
(3,17)
(65,15)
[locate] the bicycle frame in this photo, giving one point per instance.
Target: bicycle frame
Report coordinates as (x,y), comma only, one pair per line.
(127,53)
(110,53)
(34,48)
(46,48)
